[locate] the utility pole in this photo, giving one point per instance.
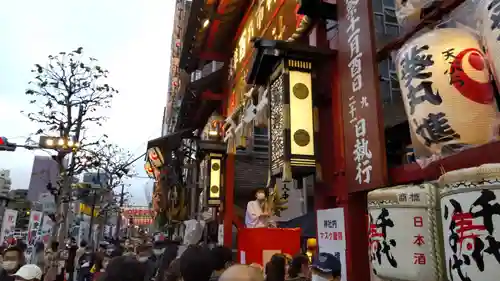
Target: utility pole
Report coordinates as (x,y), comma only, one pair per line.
(118,217)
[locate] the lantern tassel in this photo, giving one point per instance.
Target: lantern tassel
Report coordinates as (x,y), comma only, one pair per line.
(287,172)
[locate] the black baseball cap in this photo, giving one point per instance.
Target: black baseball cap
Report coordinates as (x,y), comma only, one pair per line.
(326,263)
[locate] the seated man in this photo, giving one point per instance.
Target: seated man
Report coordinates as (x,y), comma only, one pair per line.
(257,214)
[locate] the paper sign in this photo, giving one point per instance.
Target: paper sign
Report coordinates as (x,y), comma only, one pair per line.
(331,235)
(243,258)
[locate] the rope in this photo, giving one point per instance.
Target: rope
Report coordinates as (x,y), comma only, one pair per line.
(434,233)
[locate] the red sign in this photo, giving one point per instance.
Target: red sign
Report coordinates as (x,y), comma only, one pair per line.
(366,166)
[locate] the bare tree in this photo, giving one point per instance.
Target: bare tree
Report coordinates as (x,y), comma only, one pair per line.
(68,92)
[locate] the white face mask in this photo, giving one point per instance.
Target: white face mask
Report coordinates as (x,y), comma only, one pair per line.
(261,196)
(158,252)
(318,278)
(9,265)
(142,259)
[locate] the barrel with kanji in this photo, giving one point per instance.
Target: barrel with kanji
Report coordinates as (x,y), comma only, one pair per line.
(470,212)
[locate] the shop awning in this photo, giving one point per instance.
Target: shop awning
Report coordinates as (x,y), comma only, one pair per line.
(171,141)
(210,30)
(196,108)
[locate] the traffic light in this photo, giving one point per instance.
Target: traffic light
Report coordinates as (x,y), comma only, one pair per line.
(57,143)
(5,145)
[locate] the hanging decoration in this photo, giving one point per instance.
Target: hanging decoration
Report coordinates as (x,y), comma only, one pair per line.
(445,84)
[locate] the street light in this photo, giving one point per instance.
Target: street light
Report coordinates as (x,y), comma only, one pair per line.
(58,143)
(5,145)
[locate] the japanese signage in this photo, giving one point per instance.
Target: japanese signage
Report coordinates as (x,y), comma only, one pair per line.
(139,216)
(331,235)
(46,229)
(401,236)
(471,237)
(443,74)
(34,227)
(8,225)
(269,19)
(363,129)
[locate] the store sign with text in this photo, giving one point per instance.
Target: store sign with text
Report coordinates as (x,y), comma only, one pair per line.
(269,19)
(363,129)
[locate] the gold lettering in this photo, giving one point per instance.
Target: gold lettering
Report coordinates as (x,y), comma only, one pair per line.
(260,17)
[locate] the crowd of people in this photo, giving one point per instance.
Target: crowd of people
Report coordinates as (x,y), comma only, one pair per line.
(157,261)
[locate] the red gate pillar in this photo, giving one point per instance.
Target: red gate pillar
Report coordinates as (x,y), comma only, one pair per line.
(228,200)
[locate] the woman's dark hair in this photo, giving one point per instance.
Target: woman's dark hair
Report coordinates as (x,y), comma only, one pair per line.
(98,262)
(296,266)
(196,264)
(221,257)
(275,268)
(20,254)
(124,269)
(39,247)
(173,272)
(54,245)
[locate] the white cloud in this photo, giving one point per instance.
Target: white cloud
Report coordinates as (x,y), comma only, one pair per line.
(130,38)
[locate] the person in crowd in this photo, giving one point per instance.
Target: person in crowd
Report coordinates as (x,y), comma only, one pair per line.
(299,268)
(222,258)
(144,255)
(51,262)
(28,272)
(288,262)
(13,259)
(85,263)
(276,268)
(196,264)
(69,266)
(168,257)
(241,272)
(258,267)
(123,269)
(79,253)
(173,273)
(326,267)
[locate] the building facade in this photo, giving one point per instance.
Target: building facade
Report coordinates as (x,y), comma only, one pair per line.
(5,183)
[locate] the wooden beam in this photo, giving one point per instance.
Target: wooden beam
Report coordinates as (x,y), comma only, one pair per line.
(472,157)
(209,56)
(209,95)
(431,19)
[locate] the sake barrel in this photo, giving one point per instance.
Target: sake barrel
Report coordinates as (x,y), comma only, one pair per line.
(404,233)
(490,31)
(446,90)
(470,212)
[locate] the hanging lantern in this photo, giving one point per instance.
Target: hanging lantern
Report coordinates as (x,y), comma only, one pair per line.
(155,157)
(410,12)
(215,179)
(149,169)
(490,31)
(446,88)
(404,233)
(293,122)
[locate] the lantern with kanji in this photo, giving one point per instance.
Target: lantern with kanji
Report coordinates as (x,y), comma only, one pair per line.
(155,157)
(214,152)
(470,215)
(446,89)
(286,70)
(149,169)
(404,233)
(489,15)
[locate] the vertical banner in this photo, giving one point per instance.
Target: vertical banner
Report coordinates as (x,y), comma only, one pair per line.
(46,229)
(34,226)
(8,225)
(362,113)
(331,235)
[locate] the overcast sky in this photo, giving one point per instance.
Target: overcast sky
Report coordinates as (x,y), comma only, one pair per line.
(131,38)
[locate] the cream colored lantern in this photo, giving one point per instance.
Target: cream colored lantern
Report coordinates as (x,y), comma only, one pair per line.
(446,90)
(155,157)
(470,210)
(149,169)
(409,12)
(490,31)
(404,233)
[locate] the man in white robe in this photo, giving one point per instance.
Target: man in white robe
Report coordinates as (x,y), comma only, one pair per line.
(255,217)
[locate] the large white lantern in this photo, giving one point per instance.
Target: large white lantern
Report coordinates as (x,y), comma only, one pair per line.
(470,210)
(489,15)
(446,90)
(404,233)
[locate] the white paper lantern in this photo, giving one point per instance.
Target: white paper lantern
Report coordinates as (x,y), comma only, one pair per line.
(404,232)
(470,210)
(446,89)
(408,12)
(490,31)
